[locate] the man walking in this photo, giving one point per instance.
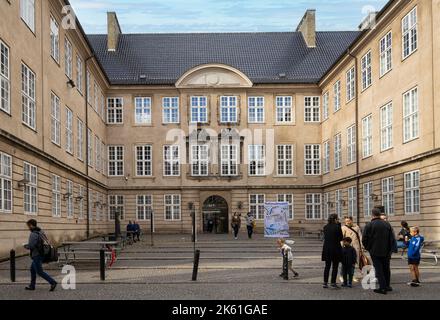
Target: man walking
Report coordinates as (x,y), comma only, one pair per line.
(35,246)
(378,238)
(250,224)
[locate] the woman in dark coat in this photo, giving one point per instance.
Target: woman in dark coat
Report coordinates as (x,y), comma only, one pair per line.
(332,250)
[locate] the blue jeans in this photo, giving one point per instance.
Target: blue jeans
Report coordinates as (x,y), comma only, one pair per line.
(37,269)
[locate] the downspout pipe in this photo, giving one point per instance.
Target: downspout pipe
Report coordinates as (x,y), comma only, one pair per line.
(358,207)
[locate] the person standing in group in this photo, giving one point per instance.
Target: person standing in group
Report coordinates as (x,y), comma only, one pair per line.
(137,230)
(349,259)
(404,235)
(378,239)
(236,224)
(36,247)
(332,250)
(285,249)
(353,231)
(250,224)
(414,255)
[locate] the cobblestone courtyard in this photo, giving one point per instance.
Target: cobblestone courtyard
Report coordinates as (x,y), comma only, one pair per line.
(229,269)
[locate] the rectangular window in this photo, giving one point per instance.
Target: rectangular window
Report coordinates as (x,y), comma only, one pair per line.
(386,51)
(172,207)
(351,84)
(326,158)
(229,160)
(199,110)
(312,109)
(326,205)
(97,154)
(116,161)
(144,161)
(284,109)
(89,87)
(313,206)
(289,199)
(69,198)
(5,94)
(368,198)
(80,139)
(115,110)
(103,158)
(116,206)
(284,160)
(366,71)
(388,195)
(351,145)
(257,160)
(142,110)
(367,136)
(256,205)
(170,106)
(28,96)
(411,115)
(56,196)
(5,183)
(54,39)
(69,131)
(27,13)
(55,114)
(30,176)
(409,33)
(96,94)
(352,196)
(256,109)
(228,109)
(68,58)
(312,157)
(337,95)
(386,127)
(171,158)
(412,192)
(89,148)
(325,105)
(338,151)
(199,160)
(81,195)
(338,203)
(144,207)
(79,74)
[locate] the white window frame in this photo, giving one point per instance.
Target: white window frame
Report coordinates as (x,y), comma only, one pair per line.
(116,160)
(338,203)
(171,161)
(256,205)
(313,206)
(351,84)
(326,205)
(325,106)
(89,86)
(172,207)
(115,202)
(388,199)
(351,145)
(56,196)
(144,207)
(257,160)
(81,195)
(312,160)
(97,154)
(386,127)
(6,188)
(326,157)
(199,109)
(69,131)
(337,96)
(115,110)
(284,159)
(200,160)
(412,192)
(411,121)
(142,110)
(30,191)
(144,160)
(338,151)
(69,199)
(55,119)
(27,13)
(54,39)
(28,82)
(367,136)
(386,53)
(68,58)
(89,148)
(289,199)
(79,74)
(229,160)
(409,33)
(229,109)
(284,109)
(256,109)
(366,70)
(312,109)
(170,110)
(368,203)
(5,84)
(352,200)
(80,139)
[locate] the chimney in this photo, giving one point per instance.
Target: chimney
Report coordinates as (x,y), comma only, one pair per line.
(113,31)
(307,27)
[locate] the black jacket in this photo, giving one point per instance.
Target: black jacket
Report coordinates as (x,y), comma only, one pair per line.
(349,256)
(378,238)
(332,250)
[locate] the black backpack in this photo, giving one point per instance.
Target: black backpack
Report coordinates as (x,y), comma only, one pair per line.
(47,251)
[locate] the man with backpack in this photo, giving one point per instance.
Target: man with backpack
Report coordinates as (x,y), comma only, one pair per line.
(35,245)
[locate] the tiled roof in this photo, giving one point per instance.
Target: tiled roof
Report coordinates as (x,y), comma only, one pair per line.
(164,58)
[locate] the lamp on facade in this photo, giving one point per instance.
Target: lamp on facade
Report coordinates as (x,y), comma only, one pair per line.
(97,204)
(79,198)
(67,195)
(342,202)
(190,205)
(330,204)
(240,205)
(23,183)
(375,197)
(71,84)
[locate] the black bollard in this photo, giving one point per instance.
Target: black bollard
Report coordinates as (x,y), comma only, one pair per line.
(12,262)
(286,266)
(196,265)
(102,264)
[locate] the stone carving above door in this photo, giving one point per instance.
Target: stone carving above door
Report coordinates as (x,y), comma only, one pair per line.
(214,76)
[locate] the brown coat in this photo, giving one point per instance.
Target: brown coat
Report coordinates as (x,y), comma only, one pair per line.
(356,243)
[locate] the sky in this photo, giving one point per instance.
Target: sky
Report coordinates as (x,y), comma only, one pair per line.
(169,16)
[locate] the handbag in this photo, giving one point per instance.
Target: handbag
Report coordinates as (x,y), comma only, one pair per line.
(363,259)
(49,252)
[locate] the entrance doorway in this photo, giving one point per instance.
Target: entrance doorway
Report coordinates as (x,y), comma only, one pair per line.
(215,215)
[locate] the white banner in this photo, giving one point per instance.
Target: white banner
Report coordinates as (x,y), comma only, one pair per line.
(276,220)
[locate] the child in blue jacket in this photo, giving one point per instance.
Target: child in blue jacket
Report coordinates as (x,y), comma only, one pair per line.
(414,254)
